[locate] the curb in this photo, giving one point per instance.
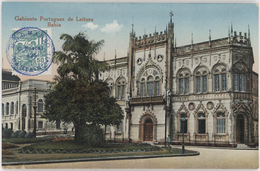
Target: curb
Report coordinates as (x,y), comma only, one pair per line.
(98,159)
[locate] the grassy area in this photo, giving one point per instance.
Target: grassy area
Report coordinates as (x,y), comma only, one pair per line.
(106,150)
(25,158)
(71,145)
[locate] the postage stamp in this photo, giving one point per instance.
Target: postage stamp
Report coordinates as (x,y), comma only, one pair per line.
(29,51)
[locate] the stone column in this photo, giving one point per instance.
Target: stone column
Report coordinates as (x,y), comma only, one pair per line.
(28,111)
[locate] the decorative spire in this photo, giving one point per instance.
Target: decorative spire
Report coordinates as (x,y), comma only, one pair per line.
(249,41)
(133,25)
(248,32)
(209,38)
(171,14)
(115,58)
(231,29)
(175,42)
(104,56)
(228,31)
(192,38)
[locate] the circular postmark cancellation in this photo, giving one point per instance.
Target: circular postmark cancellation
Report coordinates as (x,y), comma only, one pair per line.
(29,51)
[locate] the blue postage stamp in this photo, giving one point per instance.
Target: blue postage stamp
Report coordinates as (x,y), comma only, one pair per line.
(29,51)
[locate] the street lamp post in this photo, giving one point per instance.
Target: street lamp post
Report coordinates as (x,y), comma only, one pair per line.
(165,130)
(34,107)
(183,150)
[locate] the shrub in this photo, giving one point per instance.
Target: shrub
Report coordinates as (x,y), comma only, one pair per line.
(5,152)
(22,134)
(28,135)
(61,139)
(8,145)
(92,135)
(27,141)
(15,134)
(7,133)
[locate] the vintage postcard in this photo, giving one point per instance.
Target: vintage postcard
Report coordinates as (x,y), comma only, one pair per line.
(129,85)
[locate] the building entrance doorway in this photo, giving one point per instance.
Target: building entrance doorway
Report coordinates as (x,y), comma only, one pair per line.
(148,130)
(23,116)
(240,129)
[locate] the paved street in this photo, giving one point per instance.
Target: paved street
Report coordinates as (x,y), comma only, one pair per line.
(209,158)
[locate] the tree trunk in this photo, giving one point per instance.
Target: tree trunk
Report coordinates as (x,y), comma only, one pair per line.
(77,133)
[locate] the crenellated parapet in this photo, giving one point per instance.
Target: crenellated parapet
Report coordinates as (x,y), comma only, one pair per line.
(151,39)
(240,40)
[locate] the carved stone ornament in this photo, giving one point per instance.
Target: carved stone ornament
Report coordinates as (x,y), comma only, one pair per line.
(196,60)
(215,58)
(223,57)
(139,61)
(187,62)
(210,105)
(159,58)
(191,106)
(204,59)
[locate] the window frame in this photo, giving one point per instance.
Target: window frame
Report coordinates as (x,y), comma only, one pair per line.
(120,88)
(223,121)
(119,131)
(12,108)
(150,83)
(40,105)
(7,108)
(200,119)
(181,123)
(3,109)
(221,83)
(38,126)
(238,82)
(107,129)
(183,78)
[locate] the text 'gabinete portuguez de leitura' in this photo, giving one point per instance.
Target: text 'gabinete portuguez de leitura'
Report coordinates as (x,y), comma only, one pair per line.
(52,22)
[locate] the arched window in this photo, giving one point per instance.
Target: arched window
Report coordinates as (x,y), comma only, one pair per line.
(3,108)
(16,107)
(183,125)
(119,128)
(239,82)
(7,108)
(240,71)
(12,108)
(150,89)
(110,83)
(107,129)
(121,84)
(183,78)
(220,78)
(150,83)
(201,123)
(201,80)
(40,105)
(221,123)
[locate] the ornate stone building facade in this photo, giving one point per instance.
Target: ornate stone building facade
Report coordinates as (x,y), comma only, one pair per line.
(18,99)
(206,90)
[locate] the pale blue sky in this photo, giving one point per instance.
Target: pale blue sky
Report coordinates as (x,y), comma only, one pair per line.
(188,18)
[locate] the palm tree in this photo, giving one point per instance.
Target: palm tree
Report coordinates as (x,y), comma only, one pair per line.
(77,58)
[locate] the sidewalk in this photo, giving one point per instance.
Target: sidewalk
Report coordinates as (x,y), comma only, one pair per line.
(239,147)
(100,159)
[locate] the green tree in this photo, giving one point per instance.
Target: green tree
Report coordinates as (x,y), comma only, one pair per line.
(77,57)
(78,96)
